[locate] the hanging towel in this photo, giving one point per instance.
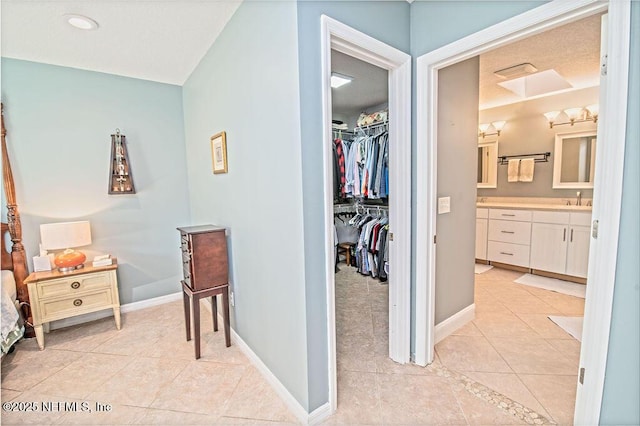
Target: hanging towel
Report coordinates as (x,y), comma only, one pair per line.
(513,170)
(526,170)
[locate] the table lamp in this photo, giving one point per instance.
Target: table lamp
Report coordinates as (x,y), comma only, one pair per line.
(66,235)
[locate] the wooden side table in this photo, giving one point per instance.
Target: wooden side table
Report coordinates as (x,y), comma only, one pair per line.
(55,295)
(206,274)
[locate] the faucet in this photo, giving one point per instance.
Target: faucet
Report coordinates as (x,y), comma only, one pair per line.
(578,199)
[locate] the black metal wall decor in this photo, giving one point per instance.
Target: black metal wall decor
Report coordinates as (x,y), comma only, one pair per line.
(121,180)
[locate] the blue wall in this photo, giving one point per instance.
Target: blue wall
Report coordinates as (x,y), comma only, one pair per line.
(388,22)
(59,121)
(247,85)
(622,380)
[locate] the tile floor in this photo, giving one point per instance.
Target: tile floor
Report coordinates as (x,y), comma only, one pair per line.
(511,355)
(509,358)
(146,372)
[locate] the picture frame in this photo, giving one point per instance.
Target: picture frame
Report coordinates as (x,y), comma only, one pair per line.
(219,152)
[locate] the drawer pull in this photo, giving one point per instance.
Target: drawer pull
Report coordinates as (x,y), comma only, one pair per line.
(77,302)
(509,215)
(75,285)
(508,254)
(508,232)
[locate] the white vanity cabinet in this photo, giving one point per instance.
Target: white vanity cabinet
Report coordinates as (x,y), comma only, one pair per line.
(549,233)
(509,236)
(560,242)
(482,225)
(578,247)
(541,239)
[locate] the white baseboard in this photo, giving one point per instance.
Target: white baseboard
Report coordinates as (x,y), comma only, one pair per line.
(129,307)
(454,322)
(317,416)
(320,414)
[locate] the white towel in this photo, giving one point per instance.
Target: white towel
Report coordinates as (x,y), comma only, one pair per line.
(526,170)
(513,170)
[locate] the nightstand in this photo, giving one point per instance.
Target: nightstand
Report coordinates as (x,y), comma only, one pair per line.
(55,295)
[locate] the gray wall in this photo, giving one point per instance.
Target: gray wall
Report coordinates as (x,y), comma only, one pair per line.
(433,25)
(59,121)
(388,21)
(247,85)
(622,380)
(458,87)
(527,131)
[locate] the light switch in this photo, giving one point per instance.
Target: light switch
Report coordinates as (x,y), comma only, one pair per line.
(444,205)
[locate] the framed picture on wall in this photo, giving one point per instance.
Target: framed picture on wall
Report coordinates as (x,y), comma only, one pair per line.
(219,152)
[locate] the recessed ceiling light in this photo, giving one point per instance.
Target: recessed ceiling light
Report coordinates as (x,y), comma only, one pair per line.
(338,80)
(81,22)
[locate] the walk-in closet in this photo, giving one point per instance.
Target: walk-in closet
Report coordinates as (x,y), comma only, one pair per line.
(360,145)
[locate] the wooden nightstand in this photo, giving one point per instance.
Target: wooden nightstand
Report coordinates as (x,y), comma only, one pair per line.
(55,295)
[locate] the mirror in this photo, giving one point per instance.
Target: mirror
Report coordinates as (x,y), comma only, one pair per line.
(488,164)
(575,159)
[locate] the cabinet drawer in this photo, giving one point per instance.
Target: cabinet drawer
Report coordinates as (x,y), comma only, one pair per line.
(75,305)
(505,214)
(560,218)
(482,213)
(513,254)
(582,219)
(75,284)
(510,231)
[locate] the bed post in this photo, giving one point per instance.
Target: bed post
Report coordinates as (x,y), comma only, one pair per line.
(20,269)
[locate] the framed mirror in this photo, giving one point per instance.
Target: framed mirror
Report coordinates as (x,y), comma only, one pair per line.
(488,164)
(574,160)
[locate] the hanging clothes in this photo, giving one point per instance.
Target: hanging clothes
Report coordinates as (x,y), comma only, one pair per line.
(361,167)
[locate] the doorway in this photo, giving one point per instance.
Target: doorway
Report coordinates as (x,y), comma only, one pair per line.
(603,254)
(343,39)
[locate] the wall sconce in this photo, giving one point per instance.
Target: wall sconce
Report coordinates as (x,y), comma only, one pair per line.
(575,115)
(497,126)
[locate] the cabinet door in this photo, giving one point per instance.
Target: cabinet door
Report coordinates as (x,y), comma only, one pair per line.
(578,251)
(481,239)
(549,247)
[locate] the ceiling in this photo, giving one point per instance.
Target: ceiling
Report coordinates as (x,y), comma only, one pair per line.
(369,87)
(164,40)
(158,40)
(571,50)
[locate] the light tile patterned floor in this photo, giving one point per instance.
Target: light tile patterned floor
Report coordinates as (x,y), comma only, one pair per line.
(146,372)
(509,359)
(510,355)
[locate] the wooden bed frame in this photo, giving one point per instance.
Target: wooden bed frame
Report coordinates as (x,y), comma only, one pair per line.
(15,260)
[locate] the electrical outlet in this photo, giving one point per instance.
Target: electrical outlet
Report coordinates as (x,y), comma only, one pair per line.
(232,300)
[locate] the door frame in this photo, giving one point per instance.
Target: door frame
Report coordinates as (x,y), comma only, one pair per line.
(607,191)
(342,38)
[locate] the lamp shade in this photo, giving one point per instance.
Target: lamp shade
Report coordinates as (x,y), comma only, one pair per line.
(54,236)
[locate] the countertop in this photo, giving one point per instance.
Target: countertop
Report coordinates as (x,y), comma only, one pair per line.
(533,206)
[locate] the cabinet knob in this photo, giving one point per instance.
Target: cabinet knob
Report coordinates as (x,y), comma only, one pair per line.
(75,285)
(77,302)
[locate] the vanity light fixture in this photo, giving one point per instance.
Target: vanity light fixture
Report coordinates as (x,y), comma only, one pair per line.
(81,22)
(497,126)
(338,80)
(575,115)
